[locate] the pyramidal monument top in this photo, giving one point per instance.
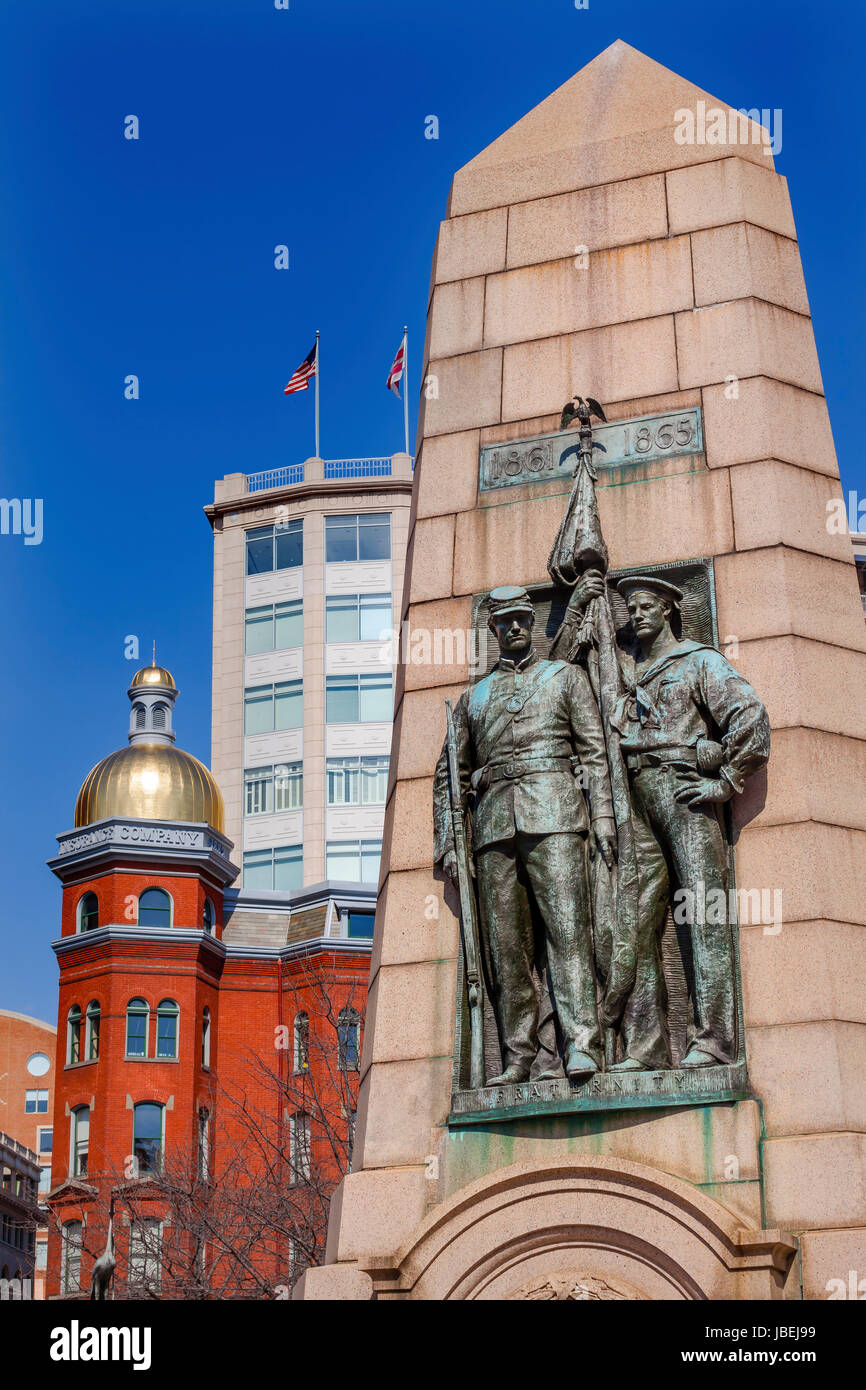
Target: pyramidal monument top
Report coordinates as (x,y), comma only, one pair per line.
(621,116)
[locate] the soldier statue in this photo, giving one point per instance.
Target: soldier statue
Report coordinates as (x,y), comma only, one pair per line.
(691,730)
(529,736)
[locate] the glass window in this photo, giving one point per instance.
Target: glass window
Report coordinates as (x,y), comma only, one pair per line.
(154,908)
(269,707)
(145,1253)
(353,861)
(279,788)
(147,1136)
(341,700)
(341,618)
(46,1140)
(357,617)
(274,627)
(93,1018)
(289,544)
(371,854)
(288,625)
(259,869)
(136,1028)
(45,1180)
(377,700)
(363,537)
(374,536)
(288,869)
(80,1136)
(375,617)
(344,779)
(259,709)
(288,787)
(280,869)
(88,912)
(259,630)
(38,1064)
(374,780)
(258,791)
(208,917)
(341,539)
(260,550)
(280,547)
(302,1042)
(299,1145)
(71,1240)
(357,781)
(288,705)
(203,1144)
(205,1037)
(361,924)
(73,1043)
(36,1102)
(166,1028)
(348,1040)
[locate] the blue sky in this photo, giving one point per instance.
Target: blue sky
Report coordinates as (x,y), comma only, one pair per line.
(262,126)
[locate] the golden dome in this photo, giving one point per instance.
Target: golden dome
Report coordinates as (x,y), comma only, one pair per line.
(154,675)
(150,781)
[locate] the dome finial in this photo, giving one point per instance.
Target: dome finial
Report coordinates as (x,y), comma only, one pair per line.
(153,660)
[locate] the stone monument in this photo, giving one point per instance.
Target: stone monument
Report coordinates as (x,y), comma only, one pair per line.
(615,1039)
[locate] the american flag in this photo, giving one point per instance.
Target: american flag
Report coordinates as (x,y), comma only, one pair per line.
(396,373)
(300,379)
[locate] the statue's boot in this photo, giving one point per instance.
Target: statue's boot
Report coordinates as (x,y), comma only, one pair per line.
(578,1063)
(512,1075)
(628,1064)
(698,1058)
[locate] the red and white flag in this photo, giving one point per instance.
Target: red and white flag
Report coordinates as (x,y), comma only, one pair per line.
(300,379)
(395,375)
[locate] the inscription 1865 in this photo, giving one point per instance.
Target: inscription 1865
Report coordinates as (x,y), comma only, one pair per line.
(553,456)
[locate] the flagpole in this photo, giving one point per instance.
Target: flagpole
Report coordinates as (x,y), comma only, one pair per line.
(406,385)
(317,393)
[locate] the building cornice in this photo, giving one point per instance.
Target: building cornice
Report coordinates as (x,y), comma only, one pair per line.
(156,841)
(299,492)
(187,936)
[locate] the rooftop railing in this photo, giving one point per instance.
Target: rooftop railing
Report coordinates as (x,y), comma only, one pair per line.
(275,477)
(333,468)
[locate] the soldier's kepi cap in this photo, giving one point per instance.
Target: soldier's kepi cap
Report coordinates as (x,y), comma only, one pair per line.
(647,581)
(510,598)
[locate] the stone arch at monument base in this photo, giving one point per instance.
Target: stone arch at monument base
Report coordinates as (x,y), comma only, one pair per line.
(573,1229)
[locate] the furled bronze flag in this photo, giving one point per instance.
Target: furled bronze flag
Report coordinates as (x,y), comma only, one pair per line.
(580,546)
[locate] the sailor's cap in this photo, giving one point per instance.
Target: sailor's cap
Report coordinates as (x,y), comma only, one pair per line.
(648,581)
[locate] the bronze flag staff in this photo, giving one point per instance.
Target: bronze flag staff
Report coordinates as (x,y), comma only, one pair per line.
(468,917)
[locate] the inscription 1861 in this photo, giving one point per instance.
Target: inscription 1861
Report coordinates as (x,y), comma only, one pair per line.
(553,456)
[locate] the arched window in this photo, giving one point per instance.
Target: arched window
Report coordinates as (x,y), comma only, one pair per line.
(208,917)
(71,1239)
(166,1028)
(93,1030)
(88,912)
(203,1144)
(348,1040)
(147,1136)
(205,1037)
(302,1042)
(137,1012)
(73,1035)
(159,713)
(79,1140)
(140,716)
(154,908)
(299,1147)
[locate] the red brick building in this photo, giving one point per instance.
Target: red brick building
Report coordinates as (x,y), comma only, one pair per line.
(208,1040)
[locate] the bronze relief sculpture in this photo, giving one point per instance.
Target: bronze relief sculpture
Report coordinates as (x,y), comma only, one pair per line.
(591,785)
